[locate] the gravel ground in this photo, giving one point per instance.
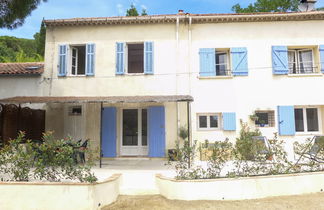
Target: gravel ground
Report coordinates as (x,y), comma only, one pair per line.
(156,202)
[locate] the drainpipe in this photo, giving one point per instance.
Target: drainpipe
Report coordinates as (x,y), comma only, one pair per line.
(100,147)
(177,66)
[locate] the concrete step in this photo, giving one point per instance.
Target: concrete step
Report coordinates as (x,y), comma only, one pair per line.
(138,183)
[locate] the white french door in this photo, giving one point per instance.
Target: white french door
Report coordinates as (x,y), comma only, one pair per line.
(134,132)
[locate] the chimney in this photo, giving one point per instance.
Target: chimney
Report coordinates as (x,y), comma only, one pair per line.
(306,5)
(180,12)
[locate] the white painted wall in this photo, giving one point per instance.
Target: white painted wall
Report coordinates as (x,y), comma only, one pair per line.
(176,68)
(11,86)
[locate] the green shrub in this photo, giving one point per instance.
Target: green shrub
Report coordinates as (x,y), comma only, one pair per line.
(53,160)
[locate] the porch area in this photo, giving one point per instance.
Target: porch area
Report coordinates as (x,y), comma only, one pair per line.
(116,126)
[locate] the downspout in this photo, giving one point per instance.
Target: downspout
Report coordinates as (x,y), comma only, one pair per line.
(177,66)
(100,147)
(189,78)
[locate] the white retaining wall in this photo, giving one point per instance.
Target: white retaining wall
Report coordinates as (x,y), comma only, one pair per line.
(58,196)
(241,188)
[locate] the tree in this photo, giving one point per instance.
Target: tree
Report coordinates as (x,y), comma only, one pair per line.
(132,11)
(144,12)
(268,6)
(14,12)
(40,39)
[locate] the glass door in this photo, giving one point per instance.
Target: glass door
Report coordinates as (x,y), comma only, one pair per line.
(134,132)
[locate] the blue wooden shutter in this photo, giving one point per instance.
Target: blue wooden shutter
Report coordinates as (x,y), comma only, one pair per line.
(280,60)
(120,57)
(156,131)
(321,49)
(90,59)
(62,67)
(148,58)
(109,135)
(239,61)
(207,62)
(286,120)
(229,121)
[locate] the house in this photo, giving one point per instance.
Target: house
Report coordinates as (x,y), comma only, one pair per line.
(130,83)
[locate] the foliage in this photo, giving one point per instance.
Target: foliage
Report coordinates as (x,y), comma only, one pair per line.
(132,11)
(245,147)
(268,6)
(221,152)
(53,160)
(183,132)
(14,12)
(144,12)
(40,39)
(14,49)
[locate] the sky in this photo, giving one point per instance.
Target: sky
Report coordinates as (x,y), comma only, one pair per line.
(57,9)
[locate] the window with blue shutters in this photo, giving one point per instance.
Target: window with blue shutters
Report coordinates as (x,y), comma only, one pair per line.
(134,58)
(229,121)
(216,62)
(76,60)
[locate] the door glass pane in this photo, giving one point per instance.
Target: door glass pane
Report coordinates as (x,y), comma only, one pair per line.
(299,120)
(202,121)
(144,127)
(312,119)
(213,121)
(130,127)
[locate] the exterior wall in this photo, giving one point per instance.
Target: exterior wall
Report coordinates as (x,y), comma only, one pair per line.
(176,70)
(11,86)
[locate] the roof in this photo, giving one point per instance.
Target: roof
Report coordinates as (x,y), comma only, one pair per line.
(32,68)
(195,18)
(96,99)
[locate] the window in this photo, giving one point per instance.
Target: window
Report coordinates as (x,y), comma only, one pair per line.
(265,118)
(222,63)
(78,57)
(300,61)
(306,120)
(75,110)
(135,58)
(208,121)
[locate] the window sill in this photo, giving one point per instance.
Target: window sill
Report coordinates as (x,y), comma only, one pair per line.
(76,76)
(305,75)
(215,77)
(134,74)
(308,133)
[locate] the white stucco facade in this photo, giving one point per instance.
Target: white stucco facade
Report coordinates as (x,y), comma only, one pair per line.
(176,72)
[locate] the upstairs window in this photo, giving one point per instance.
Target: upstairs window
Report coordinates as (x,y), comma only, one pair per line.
(300,61)
(223,62)
(135,58)
(78,60)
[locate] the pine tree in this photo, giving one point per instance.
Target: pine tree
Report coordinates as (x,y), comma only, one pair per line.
(40,39)
(14,12)
(132,11)
(268,6)
(144,12)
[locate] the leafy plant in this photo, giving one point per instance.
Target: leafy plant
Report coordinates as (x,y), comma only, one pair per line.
(53,160)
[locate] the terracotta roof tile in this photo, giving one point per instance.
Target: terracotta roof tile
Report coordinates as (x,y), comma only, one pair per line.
(196,18)
(32,68)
